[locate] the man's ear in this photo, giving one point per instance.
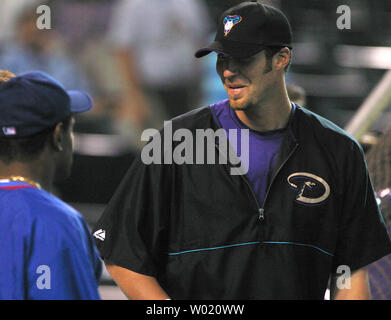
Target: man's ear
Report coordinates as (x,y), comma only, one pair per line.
(58,137)
(282,58)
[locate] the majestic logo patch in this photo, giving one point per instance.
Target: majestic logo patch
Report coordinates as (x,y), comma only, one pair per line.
(311,189)
(229,22)
(100,234)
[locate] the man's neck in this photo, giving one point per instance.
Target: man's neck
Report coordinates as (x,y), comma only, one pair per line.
(271,114)
(32,171)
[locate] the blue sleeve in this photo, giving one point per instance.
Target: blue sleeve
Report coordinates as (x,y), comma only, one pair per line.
(93,251)
(62,262)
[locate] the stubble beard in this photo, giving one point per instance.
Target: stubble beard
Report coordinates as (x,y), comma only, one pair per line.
(241,105)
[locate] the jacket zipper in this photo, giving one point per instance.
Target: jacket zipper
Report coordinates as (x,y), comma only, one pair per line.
(262,209)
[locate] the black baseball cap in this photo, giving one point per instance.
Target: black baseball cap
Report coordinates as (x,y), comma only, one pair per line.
(33,101)
(247,29)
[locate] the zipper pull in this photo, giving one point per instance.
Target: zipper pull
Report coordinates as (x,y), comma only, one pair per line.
(261,214)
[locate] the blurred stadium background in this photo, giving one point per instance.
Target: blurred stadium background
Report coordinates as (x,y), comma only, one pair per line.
(136,59)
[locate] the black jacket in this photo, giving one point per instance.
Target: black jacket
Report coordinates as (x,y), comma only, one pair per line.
(200,231)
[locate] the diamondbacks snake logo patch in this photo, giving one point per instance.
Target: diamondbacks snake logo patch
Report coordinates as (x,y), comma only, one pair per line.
(229,22)
(311,189)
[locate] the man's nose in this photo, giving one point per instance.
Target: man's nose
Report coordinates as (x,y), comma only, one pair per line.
(230,68)
(228,73)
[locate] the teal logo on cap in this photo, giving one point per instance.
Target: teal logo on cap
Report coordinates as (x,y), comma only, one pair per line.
(230,22)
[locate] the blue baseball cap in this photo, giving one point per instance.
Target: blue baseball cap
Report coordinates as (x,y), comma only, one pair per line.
(34,101)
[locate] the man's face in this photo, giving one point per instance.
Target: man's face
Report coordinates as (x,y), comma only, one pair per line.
(66,158)
(246,80)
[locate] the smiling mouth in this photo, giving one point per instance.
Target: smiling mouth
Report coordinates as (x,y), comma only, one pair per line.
(235,87)
(235,90)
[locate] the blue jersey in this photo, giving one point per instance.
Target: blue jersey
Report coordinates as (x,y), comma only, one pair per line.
(46,249)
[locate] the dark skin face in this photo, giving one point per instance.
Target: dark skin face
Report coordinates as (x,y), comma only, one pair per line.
(63,142)
(53,164)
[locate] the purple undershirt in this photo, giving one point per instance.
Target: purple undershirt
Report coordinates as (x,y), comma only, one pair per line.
(263,147)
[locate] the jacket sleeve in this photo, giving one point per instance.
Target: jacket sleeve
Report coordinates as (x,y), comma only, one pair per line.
(134,222)
(362,234)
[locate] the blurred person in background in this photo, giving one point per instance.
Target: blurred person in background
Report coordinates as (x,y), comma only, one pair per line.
(35,49)
(47,251)
(100,146)
(9,12)
(84,41)
(152,42)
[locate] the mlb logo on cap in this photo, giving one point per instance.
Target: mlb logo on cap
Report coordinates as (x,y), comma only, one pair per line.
(9,131)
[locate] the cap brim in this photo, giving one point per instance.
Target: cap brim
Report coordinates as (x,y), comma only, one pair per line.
(231,48)
(80,101)
(213,47)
